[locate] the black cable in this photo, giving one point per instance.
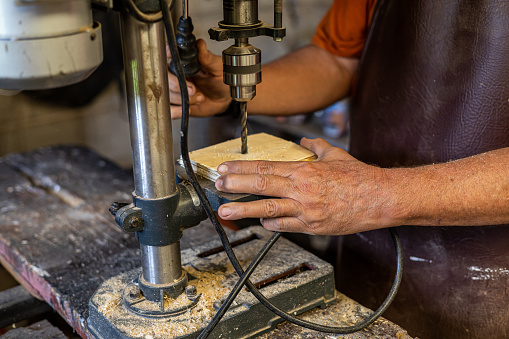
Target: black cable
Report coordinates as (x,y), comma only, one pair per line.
(144,17)
(238,286)
(219,229)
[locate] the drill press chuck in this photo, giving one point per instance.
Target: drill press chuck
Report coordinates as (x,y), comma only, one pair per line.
(242,69)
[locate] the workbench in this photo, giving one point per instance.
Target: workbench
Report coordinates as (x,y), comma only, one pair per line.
(59,240)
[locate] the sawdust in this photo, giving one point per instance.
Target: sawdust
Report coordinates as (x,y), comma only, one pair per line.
(109,297)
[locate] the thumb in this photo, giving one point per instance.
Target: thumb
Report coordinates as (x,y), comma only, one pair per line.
(210,63)
(317,146)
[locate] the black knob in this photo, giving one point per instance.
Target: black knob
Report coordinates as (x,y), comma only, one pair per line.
(116,206)
(186,43)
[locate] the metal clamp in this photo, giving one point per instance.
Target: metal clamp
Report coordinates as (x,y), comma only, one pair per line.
(127,216)
(223,34)
(159,222)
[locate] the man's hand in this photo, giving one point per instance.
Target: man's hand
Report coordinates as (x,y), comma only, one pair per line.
(208,95)
(335,194)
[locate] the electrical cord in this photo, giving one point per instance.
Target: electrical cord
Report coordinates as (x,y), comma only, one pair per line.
(140,16)
(238,286)
(170,33)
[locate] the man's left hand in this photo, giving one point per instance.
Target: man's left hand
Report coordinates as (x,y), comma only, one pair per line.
(334,194)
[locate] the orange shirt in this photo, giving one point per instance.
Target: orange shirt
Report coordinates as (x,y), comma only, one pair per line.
(344,28)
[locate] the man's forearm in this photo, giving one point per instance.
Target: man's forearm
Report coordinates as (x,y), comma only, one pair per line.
(302,81)
(470,191)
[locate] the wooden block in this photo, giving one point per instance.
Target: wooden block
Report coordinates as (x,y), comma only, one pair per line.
(261,146)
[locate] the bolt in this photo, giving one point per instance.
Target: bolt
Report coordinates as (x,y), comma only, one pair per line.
(134,293)
(191,291)
(134,222)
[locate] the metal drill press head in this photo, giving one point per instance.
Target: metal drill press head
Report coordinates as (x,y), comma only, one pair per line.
(242,61)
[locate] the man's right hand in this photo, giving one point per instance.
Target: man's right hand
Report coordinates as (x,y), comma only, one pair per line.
(208,95)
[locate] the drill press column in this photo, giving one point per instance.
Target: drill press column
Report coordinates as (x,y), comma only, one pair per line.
(151,138)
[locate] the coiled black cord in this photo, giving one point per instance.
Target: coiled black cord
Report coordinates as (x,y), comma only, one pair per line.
(238,286)
(143,17)
(224,239)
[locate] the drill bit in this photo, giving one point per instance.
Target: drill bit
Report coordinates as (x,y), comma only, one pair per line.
(243,125)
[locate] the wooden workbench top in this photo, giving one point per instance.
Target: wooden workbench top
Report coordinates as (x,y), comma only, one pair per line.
(59,240)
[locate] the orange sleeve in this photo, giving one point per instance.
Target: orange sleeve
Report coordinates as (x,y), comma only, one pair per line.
(344,28)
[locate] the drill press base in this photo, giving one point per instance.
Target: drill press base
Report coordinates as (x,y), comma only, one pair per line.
(293,279)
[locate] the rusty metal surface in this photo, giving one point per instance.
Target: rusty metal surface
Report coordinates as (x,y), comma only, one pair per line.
(58,238)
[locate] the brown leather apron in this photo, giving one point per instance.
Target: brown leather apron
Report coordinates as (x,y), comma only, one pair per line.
(433,86)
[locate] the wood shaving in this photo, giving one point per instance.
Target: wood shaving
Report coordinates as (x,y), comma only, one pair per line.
(209,284)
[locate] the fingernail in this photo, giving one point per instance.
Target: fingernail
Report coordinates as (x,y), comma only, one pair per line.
(226,211)
(222,169)
(219,183)
(190,90)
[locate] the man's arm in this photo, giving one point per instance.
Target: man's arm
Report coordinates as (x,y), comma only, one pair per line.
(300,82)
(303,81)
(470,191)
(337,194)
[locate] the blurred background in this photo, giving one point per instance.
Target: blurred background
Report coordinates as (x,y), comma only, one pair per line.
(94,114)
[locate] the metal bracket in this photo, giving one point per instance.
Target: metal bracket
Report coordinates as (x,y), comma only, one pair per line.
(159,222)
(223,34)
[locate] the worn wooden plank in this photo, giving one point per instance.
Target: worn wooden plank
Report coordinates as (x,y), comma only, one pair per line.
(40,330)
(17,304)
(56,233)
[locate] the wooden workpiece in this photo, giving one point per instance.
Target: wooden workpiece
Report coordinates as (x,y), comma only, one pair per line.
(59,240)
(261,146)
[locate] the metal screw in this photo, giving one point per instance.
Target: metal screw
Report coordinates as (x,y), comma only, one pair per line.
(191,291)
(134,294)
(134,222)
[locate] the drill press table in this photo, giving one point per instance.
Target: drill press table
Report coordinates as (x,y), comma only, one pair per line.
(59,240)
